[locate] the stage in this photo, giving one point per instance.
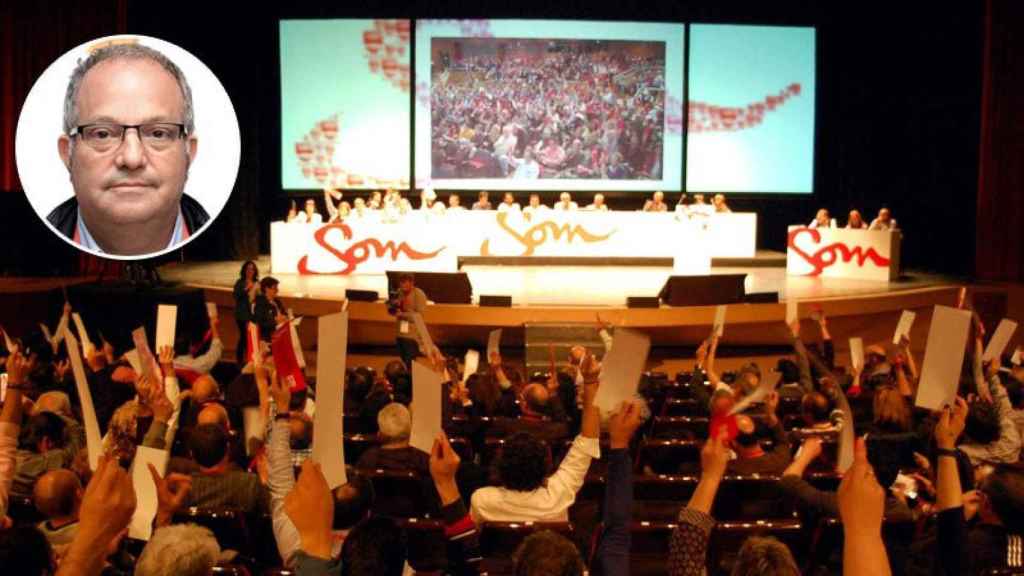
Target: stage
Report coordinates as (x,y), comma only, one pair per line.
(573,294)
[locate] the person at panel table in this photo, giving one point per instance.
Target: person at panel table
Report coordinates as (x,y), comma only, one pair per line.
(656,203)
(309,215)
(330,196)
(508,203)
(376,202)
(534,207)
(720,206)
(822,220)
(598,205)
(855,222)
(885,221)
(700,207)
(455,203)
(565,203)
(483,201)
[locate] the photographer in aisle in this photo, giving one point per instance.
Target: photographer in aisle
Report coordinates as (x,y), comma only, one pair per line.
(402,304)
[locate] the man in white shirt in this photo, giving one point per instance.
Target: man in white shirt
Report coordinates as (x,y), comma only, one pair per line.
(310,215)
(700,207)
(454,202)
(525,495)
(534,207)
(598,205)
(508,203)
(526,167)
(565,203)
(885,221)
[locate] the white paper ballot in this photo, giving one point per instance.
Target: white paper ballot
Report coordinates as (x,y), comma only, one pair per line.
(328,432)
(133,358)
(293,324)
(768,384)
(403,327)
(844,458)
(58,336)
(46,332)
(621,369)
(426,343)
(254,426)
(792,313)
(149,363)
(1016,358)
(141,527)
(471,364)
(3,386)
(211,309)
(857,353)
(1000,340)
(493,343)
(903,328)
(425,407)
(166,320)
(93,442)
(83,334)
(8,343)
(719,321)
(943,357)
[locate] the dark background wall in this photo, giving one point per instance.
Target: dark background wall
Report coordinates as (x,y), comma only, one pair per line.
(901,93)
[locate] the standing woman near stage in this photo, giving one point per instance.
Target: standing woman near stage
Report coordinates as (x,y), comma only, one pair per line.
(245,291)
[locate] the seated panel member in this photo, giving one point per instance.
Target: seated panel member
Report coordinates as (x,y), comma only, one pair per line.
(885,221)
(822,220)
(534,206)
(720,206)
(656,203)
(565,203)
(128,141)
(598,205)
(483,201)
(508,203)
(309,215)
(855,222)
(455,203)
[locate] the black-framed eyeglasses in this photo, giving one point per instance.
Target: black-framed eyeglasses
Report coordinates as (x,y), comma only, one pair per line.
(105,136)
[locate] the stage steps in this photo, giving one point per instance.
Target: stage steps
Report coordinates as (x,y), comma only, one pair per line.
(541,337)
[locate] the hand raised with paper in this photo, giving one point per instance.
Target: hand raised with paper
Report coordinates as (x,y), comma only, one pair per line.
(811,448)
(444,464)
(861,497)
(171,493)
(951,424)
(18,369)
(623,424)
(167,360)
(281,394)
(108,502)
(714,457)
(310,507)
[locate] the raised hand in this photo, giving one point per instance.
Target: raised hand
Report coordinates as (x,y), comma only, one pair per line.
(160,404)
(623,424)
(444,464)
(310,507)
(811,448)
(951,424)
(171,493)
(167,360)
(714,457)
(18,369)
(861,497)
(702,353)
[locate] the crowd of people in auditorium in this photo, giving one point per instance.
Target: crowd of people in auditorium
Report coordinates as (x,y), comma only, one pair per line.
(927,493)
(563,109)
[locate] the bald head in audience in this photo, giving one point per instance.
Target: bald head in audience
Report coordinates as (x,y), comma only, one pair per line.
(535,400)
(58,494)
(204,389)
(214,413)
(56,402)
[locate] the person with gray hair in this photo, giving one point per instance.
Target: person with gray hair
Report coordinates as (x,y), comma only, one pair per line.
(179,550)
(394,423)
(53,401)
(128,140)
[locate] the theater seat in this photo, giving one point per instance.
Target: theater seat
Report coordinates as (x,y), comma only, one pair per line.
(356,444)
(499,541)
(426,544)
(680,427)
(403,494)
(229,526)
(728,537)
(668,456)
(683,407)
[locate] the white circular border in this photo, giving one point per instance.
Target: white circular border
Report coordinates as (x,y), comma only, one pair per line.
(211,176)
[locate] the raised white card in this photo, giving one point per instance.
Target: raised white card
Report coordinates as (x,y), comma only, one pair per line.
(493,343)
(46,332)
(903,328)
(426,342)
(328,431)
(166,321)
(133,358)
(1016,358)
(719,321)
(255,347)
(254,426)
(150,366)
(293,324)
(211,309)
(621,369)
(792,313)
(8,343)
(943,357)
(471,364)
(857,353)
(1000,340)
(3,387)
(427,392)
(93,442)
(141,527)
(83,334)
(58,336)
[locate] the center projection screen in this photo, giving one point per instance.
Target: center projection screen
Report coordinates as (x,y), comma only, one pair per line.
(549,105)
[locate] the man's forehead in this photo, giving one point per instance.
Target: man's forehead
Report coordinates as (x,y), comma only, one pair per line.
(130,90)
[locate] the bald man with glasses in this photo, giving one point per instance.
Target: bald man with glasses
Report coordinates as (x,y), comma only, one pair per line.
(128,142)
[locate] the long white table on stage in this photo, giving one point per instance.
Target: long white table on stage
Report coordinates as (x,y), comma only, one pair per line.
(842,253)
(433,242)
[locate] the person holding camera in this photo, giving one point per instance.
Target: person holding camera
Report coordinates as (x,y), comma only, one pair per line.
(402,304)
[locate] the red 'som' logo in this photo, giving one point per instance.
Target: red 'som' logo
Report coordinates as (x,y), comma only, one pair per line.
(828,255)
(361,251)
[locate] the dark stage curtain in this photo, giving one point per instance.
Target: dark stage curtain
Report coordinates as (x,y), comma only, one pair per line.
(1000,235)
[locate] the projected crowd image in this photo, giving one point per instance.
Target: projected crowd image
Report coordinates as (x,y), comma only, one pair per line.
(530,109)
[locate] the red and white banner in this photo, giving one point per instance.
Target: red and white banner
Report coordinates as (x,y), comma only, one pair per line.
(842,253)
(288,369)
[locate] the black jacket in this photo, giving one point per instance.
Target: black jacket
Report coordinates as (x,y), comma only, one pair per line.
(65,217)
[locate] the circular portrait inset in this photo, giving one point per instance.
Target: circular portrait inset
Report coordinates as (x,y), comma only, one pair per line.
(128,147)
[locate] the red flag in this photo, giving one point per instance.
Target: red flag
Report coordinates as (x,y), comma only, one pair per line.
(288,369)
